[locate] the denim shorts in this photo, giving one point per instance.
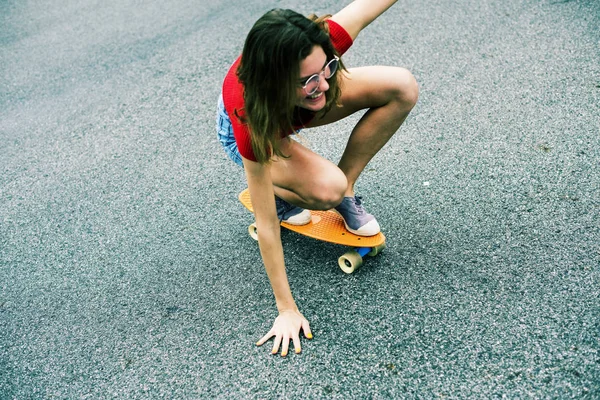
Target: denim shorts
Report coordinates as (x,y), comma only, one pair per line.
(225,134)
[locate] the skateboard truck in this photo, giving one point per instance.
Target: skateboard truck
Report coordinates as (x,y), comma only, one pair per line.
(329,226)
(348,262)
(353,259)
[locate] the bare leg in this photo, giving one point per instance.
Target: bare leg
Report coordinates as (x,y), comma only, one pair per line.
(389,94)
(310,181)
(306,179)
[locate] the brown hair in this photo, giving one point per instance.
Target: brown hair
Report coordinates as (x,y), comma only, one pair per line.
(269,70)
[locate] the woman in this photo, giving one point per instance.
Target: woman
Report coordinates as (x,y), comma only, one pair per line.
(289,77)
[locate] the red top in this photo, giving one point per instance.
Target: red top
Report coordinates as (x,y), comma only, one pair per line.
(233,92)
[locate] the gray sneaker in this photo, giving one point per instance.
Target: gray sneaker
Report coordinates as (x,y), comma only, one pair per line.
(290,213)
(356,218)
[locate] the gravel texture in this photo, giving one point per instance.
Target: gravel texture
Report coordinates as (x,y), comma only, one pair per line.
(125,267)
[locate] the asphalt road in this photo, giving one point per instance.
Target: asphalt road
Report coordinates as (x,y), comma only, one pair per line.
(125,267)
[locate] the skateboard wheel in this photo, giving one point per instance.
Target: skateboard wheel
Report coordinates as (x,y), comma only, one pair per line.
(252,231)
(350,261)
(376,250)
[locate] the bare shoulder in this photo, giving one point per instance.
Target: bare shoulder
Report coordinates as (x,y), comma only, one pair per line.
(360,13)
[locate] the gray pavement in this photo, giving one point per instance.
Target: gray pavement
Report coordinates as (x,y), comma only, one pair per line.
(125,267)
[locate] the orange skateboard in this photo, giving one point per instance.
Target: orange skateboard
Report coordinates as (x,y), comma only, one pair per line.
(329,227)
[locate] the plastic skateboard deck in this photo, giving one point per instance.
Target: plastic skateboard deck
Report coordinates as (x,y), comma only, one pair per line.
(328,226)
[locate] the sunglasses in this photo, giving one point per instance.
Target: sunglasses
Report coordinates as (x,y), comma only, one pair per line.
(312,84)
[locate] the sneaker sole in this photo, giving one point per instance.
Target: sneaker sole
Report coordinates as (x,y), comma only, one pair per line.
(357,231)
(301,222)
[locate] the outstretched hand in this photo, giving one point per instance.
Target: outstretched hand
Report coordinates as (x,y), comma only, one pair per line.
(287,326)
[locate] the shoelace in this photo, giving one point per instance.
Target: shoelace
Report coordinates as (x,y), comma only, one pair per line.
(359,206)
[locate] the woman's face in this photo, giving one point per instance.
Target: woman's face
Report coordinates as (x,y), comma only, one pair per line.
(313,64)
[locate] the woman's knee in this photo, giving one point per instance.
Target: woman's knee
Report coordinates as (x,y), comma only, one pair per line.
(405,89)
(327,190)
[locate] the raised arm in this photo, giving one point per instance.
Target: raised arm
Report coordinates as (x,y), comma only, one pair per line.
(360,13)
